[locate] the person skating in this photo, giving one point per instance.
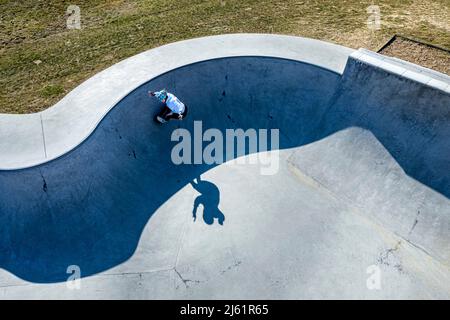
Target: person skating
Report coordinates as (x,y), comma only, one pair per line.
(173,108)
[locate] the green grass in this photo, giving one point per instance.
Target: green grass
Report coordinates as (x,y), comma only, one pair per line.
(51,90)
(115,29)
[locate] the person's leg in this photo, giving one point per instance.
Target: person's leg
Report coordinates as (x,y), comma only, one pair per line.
(163,114)
(185,112)
(177,116)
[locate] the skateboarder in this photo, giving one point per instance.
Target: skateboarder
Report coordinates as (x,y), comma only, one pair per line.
(173,107)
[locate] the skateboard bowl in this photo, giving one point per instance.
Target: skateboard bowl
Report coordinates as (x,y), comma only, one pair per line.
(358,206)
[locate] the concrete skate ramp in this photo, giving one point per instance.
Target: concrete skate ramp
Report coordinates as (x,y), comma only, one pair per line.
(364,180)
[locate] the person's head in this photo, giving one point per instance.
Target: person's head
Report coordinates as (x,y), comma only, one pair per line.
(161,95)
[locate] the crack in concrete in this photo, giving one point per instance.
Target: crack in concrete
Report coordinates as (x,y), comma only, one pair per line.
(234,265)
(185,281)
(44,182)
(180,245)
(16,285)
(140,273)
(180,248)
(118,133)
(423,250)
(384,257)
(230,118)
(416,221)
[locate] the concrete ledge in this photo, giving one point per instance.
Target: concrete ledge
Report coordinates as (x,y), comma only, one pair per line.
(21,137)
(30,140)
(404,69)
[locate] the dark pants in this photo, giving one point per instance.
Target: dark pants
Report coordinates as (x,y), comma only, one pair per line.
(167,114)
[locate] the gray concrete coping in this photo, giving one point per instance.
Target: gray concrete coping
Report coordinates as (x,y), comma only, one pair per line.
(33,139)
(404,69)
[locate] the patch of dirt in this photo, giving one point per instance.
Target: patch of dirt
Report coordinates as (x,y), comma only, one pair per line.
(420,54)
(431,12)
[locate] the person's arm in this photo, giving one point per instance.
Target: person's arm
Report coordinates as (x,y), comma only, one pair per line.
(157,94)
